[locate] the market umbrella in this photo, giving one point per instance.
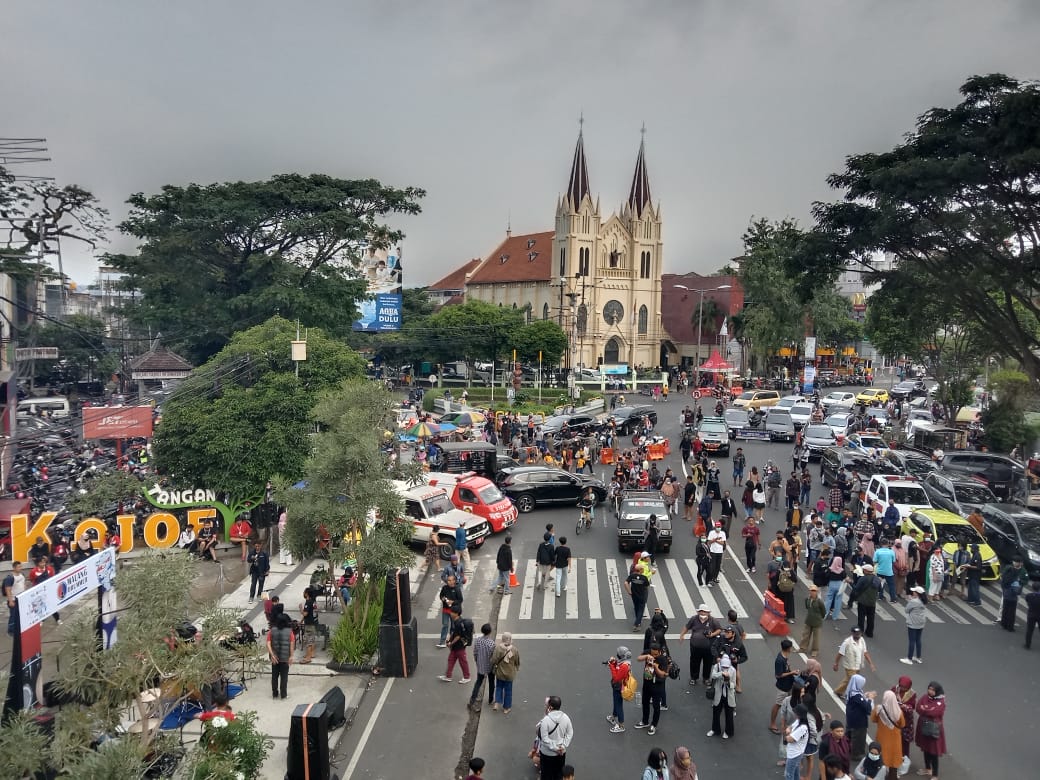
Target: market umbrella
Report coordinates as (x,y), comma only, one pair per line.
(446,427)
(406,437)
(468,419)
(423,430)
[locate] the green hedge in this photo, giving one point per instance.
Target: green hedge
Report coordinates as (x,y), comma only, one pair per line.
(357,634)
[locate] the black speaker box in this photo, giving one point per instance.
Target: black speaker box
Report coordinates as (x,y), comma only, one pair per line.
(397,580)
(395,663)
(336,706)
(308,757)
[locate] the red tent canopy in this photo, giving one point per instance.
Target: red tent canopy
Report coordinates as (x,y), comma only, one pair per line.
(715,363)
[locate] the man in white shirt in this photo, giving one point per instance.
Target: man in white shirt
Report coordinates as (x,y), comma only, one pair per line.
(716,546)
(851,654)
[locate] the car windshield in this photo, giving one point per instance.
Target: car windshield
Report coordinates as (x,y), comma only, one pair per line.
(747,396)
(837,419)
(803,410)
(624,411)
(437,505)
(908,494)
(736,415)
(1030,531)
(974,494)
(819,432)
(786,403)
(713,426)
(957,533)
(491,495)
(643,508)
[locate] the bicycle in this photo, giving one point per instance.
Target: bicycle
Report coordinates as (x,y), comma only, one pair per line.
(584,520)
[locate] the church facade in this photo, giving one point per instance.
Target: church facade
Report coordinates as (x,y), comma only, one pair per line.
(598,278)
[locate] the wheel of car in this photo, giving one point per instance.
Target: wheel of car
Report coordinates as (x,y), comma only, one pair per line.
(445,549)
(525,504)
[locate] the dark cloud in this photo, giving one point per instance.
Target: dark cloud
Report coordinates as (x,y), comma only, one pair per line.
(748,106)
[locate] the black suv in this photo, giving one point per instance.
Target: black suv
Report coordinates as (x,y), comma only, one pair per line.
(834,459)
(1011,530)
(577,425)
(531,486)
(628,418)
(957,493)
(635,509)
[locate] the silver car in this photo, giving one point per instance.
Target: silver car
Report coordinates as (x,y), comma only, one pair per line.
(800,415)
(818,437)
(735,420)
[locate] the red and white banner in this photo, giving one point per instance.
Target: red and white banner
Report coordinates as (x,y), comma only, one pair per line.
(117,422)
(39,602)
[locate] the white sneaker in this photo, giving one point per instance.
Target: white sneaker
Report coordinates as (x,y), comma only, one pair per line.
(710,734)
(464,680)
(652,730)
(725,736)
(918,660)
(617,728)
(443,678)
(611,719)
(906,661)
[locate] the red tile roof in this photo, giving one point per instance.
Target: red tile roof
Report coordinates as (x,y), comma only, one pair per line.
(456,280)
(526,258)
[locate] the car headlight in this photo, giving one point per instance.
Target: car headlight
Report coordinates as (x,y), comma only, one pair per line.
(991,561)
(1034,557)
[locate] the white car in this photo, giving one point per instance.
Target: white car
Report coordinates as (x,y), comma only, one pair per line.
(790,400)
(838,398)
(907,493)
(841,424)
(800,415)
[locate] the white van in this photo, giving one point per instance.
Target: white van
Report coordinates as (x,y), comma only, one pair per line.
(427,506)
(55,407)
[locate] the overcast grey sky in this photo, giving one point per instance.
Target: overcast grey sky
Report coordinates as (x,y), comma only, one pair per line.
(748,105)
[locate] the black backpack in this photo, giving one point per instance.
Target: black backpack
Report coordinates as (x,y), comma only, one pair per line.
(545,554)
(467,631)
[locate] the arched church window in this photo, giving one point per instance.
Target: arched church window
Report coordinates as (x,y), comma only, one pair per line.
(644,315)
(545,311)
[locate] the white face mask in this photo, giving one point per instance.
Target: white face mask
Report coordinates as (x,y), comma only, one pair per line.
(875,756)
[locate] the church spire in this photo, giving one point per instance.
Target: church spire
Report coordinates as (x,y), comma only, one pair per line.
(578,186)
(639,194)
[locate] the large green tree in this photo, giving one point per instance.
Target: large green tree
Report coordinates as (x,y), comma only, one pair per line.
(474,330)
(245,416)
(540,336)
(957,205)
(215,257)
(83,348)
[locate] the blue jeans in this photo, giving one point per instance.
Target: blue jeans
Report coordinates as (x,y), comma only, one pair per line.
(834,599)
(561,580)
(974,597)
(502,582)
(888,580)
(445,625)
(504,693)
(804,497)
(913,642)
(792,769)
(619,706)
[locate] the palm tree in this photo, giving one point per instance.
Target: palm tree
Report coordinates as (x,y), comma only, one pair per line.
(710,314)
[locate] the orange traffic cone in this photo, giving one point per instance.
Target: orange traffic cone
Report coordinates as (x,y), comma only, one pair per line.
(513,581)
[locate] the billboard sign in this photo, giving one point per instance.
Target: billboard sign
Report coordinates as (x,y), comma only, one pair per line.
(810,348)
(117,422)
(380,312)
(41,601)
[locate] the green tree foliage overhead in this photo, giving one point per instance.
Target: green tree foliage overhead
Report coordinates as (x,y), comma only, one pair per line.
(543,336)
(212,258)
(1005,419)
(474,330)
(346,476)
(778,306)
(245,416)
(957,204)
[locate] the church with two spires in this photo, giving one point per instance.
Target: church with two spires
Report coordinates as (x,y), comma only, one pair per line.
(598,278)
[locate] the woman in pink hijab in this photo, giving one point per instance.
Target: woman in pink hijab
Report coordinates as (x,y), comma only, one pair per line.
(683,767)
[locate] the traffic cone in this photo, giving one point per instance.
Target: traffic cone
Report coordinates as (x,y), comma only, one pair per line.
(513,581)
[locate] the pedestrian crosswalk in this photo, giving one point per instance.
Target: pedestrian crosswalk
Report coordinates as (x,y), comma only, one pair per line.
(595,591)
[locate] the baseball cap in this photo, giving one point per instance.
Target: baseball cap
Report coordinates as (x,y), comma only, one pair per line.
(644,554)
(868,567)
(704,608)
(857,630)
(917,589)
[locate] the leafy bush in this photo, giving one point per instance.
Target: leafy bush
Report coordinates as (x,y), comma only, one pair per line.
(229,749)
(357,634)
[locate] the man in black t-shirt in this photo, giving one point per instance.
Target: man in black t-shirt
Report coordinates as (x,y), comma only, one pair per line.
(562,565)
(638,587)
(207,540)
(784,680)
(309,612)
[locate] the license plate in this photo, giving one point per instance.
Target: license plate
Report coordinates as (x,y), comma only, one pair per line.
(480,541)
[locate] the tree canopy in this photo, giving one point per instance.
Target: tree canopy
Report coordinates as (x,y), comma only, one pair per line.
(82,343)
(543,336)
(214,258)
(474,330)
(245,416)
(957,206)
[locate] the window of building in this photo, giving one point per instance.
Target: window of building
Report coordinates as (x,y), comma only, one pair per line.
(545,311)
(615,258)
(643,317)
(583,261)
(528,310)
(563,261)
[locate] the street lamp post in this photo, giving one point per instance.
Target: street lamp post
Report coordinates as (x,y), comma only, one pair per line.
(700,324)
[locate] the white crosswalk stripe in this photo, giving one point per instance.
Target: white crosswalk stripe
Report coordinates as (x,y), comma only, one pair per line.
(674,590)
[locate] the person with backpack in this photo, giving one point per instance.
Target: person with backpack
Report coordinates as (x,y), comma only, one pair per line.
(865,593)
(505,665)
(544,557)
(620,670)
(656,666)
(461,638)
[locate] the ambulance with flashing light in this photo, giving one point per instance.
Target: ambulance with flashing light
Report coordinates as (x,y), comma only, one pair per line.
(907,493)
(471,492)
(428,506)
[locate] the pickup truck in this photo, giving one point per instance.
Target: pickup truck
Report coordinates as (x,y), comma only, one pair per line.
(633,512)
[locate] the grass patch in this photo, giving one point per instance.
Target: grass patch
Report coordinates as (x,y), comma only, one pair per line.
(357,633)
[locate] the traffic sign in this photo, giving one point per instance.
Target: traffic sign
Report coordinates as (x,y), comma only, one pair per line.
(36,353)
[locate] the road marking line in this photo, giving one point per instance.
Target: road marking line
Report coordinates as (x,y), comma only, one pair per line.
(731,597)
(951,613)
(659,593)
(363,741)
(882,612)
(592,585)
(685,601)
(527,596)
(572,596)
(549,598)
(617,600)
(702,592)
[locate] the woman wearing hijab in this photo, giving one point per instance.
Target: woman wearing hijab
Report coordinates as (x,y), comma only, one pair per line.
(836,577)
(907,696)
(890,721)
(683,767)
(900,566)
(723,678)
(858,705)
(871,767)
(931,736)
(813,675)
(936,572)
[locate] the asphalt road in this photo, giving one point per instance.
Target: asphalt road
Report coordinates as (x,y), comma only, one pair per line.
(990,679)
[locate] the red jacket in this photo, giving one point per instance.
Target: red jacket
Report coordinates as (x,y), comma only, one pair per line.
(619,671)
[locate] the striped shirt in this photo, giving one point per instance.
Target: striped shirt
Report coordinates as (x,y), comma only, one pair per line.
(482,650)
